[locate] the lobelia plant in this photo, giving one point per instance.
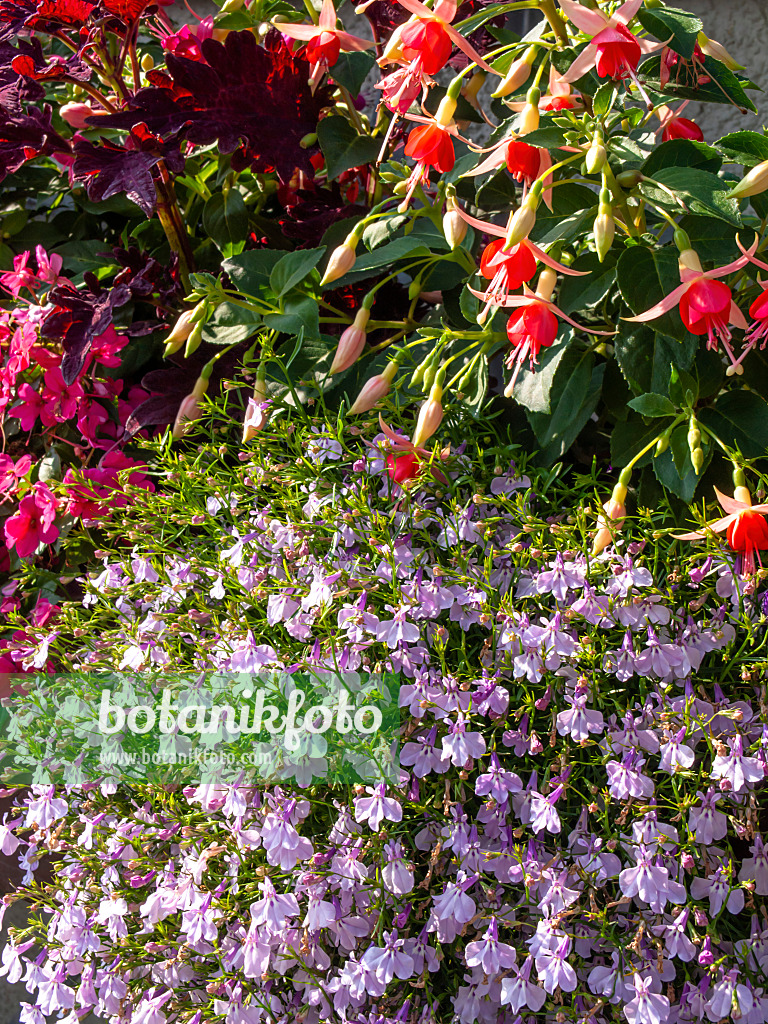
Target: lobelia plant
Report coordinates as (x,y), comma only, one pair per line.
(593,242)
(576,831)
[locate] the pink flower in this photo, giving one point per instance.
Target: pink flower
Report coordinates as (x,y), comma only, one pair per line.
(33,524)
(186,42)
(614,52)
(20,277)
(11,472)
(324,42)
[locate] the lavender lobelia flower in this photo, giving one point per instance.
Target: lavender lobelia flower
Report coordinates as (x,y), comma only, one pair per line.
(490,954)
(647,1007)
(735,770)
(375,808)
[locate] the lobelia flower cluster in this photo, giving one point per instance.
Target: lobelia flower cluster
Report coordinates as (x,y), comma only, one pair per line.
(70,430)
(576,832)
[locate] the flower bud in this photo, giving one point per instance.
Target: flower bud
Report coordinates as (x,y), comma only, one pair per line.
(341,262)
(711,48)
(611,519)
(147,62)
(545,286)
(76,114)
(190,408)
(195,339)
(751,184)
(697,460)
(689,260)
(518,74)
(596,155)
(445,111)
(231,5)
(524,219)
(351,342)
(430,416)
(454,225)
(180,332)
(473,87)
(529,119)
(375,389)
(604,228)
(629,179)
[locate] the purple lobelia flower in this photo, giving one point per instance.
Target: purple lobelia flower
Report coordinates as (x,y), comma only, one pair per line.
(736,771)
(490,954)
(647,1007)
(650,881)
(375,808)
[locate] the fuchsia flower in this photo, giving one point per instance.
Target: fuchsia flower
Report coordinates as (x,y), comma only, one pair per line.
(744,524)
(324,42)
(706,304)
(614,51)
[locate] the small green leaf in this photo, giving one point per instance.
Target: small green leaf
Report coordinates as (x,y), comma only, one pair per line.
(250,270)
(343,147)
(301,314)
(230,324)
(604,98)
(225,219)
(747,148)
(573,209)
(644,357)
(677,29)
(293,268)
(533,388)
(652,405)
(381,230)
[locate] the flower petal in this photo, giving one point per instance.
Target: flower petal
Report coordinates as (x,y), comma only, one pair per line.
(350,42)
(627,11)
(584,19)
(742,261)
(327,19)
(581,327)
(467,48)
(731,505)
(736,317)
(445,10)
(481,225)
(547,260)
(583,63)
(492,162)
(751,253)
(667,303)
(417,8)
(299,31)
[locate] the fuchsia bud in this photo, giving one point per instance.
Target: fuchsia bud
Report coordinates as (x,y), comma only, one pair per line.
(752,184)
(430,416)
(351,342)
(179,333)
(518,74)
(341,262)
(256,414)
(375,389)
(190,408)
(454,225)
(611,519)
(75,114)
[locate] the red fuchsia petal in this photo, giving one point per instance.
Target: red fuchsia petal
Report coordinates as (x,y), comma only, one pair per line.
(429,41)
(618,51)
(325,47)
(432,146)
(759,308)
(730,505)
(748,532)
(402,467)
(519,264)
(682,128)
(523,160)
(708,298)
(584,19)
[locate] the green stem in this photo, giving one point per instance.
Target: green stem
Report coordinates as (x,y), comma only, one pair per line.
(556,23)
(652,444)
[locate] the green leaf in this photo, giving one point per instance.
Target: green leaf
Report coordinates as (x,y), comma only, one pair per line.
(352,69)
(585,292)
(740,420)
(678,29)
(250,270)
(469,305)
(683,481)
(548,136)
(225,219)
(644,356)
(573,399)
(381,230)
(714,240)
(652,405)
(385,256)
(293,268)
(724,86)
(747,148)
(573,208)
(497,193)
(533,388)
(630,437)
(604,98)
(343,147)
(88,254)
(645,277)
(683,153)
(300,317)
(230,324)
(696,191)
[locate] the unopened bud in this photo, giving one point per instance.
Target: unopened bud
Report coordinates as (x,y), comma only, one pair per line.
(430,416)
(180,332)
(341,262)
(375,389)
(596,156)
(518,74)
(76,115)
(629,179)
(195,339)
(147,62)
(190,408)
(454,225)
(232,5)
(308,140)
(351,342)
(524,219)
(697,460)
(445,111)
(752,184)
(611,519)
(711,48)
(471,90)
(529,118)
(421,369)
(604,228)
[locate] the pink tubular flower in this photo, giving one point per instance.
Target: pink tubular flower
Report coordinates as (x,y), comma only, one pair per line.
(614,51)
(33,524)
(324,41)
(706,304)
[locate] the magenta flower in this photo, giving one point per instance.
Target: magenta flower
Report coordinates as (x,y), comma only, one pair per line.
(33,523)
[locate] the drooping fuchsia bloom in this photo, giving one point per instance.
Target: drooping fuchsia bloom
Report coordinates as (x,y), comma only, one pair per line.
(744,525)
(507,270)
(422,47)
(614,51)
(404,458)
(706,304)
(534,326)
(758,330)
(324,41)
